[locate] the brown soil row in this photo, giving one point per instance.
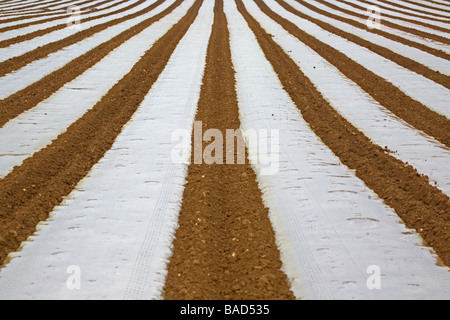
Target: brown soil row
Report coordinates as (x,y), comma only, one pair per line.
(416,32)
(407,63)
(34,6)
(381,90)
(386,15)
(418,10)
(41,32)
(49,16)
(30,192)
(225,245)
(15,6)
(420,205)
(51,4)
(29,97)
(368,2)
(437,53)
(439,3)
(36,15)
(8,3)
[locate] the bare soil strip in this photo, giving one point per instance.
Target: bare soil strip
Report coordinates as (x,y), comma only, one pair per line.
(39,33)
(437,53)
(382,51)
(57,15)
(394,25)
(386,23)
(41,90)
(225,245)
(421,206)
(31,191)
(404,12)
(439,3)
(381,90)
(31,5)
(420,5)
(384,14)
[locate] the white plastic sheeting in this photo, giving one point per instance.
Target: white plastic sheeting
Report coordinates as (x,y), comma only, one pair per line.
(33,130)
(23,47)
(398,21)
(409,36)
(408,144)
(419,88)
(38,69)
(428,60)
(111,237)
(415,7)
(24,30)
(333,232)
(115,230)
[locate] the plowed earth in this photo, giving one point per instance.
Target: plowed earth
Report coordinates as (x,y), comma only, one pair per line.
(225,245)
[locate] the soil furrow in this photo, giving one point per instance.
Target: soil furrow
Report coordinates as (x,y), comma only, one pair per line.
(418,10)
(404,12)
(438,3)
(20,6)
(386,15)
(415,31)
(405,62)
(420,205)
(385,23)
(44,88)
(225,246)
(38,15)
(381,90)
(30,192)
(437,53)
(41,32)
(36,6)
(51,16)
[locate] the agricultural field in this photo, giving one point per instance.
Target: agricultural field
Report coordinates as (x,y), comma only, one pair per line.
(224,149)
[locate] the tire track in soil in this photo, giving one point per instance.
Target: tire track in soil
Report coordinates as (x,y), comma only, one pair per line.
(389,96)
(225,246)
(29,97)
(30,192)
(421,206)
(437,53)
(405,62)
